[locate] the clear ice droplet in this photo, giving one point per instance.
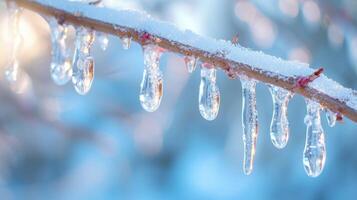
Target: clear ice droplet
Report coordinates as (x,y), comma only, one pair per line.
(103,40)
(209,95)
(331,118)
(249,123)
(151,88)
(126,42)
(61,66)
(314,156)
(83,63)
(191,63)
(279,127)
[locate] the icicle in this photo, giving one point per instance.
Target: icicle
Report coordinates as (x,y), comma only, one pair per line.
(151,88)
(331,118)
(83,63)
(61,67)
(279,128)
(249,123)
(13,70)
(191,63)
(315,151)
(103,40)
(126,42)
(209,96)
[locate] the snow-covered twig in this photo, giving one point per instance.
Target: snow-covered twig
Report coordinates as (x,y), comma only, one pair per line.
(232,58)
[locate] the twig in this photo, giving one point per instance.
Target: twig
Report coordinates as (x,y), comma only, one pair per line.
(346,106)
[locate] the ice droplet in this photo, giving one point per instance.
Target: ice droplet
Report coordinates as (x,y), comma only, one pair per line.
(331,118)
(61,67)
(13,69)
(126,42)
(209,95)
(103,40)
(191,63)
(83,63)
(314,156)
(151,88)
(249,123)
(279,127)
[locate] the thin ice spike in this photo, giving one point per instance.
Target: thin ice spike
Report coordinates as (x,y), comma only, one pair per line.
(249,123)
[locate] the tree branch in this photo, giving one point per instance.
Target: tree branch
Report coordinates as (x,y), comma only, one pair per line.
(232,59)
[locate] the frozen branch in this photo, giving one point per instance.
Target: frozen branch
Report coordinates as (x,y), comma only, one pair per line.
(233,59)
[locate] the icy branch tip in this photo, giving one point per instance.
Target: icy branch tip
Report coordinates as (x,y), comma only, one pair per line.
(303,81)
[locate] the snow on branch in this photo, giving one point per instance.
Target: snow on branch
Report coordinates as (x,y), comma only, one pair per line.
(234,59)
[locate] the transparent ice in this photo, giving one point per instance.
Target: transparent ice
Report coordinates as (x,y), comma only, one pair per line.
(314,156)
(61,66)
(209,95)
(249,123)
(279,127)
(83,63)
(151,88)
(191,63)
(103,40)
(126,42)
(331,118)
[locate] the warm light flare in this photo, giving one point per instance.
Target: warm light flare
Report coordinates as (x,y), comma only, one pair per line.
(30,26)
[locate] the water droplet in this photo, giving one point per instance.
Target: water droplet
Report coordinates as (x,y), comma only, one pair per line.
(314,156)
(151,88)
(83,63)
(279,127)
(191,63)
(209,95)
(126,42)
(249,123)
(103,40)
(61,67)
(331,118)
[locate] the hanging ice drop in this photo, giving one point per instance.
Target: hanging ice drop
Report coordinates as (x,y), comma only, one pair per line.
(190,62)
(249,123)
(83,63)
(315,150)
(103,40)
(209,96)
(151,88)
(279,127)
(126,42)
(331,118)
(61,67)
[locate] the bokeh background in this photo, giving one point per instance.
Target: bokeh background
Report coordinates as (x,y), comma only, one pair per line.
(56,144)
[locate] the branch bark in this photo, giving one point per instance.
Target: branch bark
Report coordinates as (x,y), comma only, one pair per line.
(230,66)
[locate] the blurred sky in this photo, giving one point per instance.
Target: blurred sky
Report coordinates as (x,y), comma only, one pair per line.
(55,144)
